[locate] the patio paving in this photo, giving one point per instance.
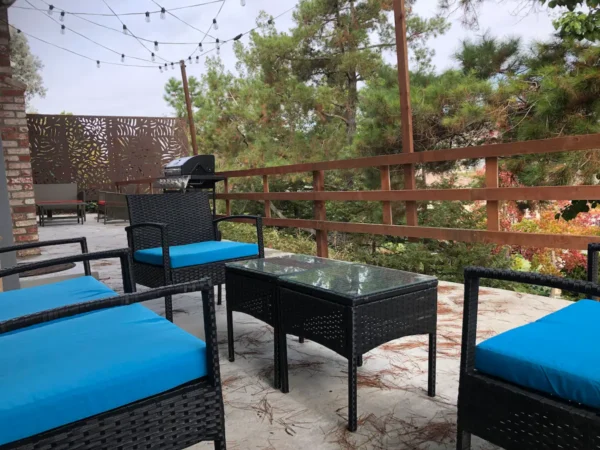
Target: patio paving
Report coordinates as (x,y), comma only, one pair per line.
(394,410)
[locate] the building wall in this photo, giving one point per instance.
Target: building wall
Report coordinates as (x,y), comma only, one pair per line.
(13,127)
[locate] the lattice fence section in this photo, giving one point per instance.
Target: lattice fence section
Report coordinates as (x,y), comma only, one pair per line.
(96,151)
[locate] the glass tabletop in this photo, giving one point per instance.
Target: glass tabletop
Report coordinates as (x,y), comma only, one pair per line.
(285,265)
(356,280)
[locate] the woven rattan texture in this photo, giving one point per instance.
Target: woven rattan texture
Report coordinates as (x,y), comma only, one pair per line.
(251,296)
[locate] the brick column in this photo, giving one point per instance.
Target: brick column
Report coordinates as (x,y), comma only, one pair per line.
(15,139)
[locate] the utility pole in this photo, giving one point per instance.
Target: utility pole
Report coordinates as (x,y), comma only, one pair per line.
(188,102)
(405,109)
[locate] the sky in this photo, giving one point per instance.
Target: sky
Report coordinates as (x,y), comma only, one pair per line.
(74,84)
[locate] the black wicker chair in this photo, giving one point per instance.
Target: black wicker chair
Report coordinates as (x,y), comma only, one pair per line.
(175,419)
(163,221)
(510,415)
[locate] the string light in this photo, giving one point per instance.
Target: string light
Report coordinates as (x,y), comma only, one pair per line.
(155,46)
(62,29)
(270,21)
(200,46)
(166,67)
(197,59)
(50,9)
(148,20)
(218,47)
(243,2)
(215,24)
(62,16)
(124,29)
(98,64)
(160,68)
(190,59)
(122,57)
(163,13)
(153,57)
(172,66)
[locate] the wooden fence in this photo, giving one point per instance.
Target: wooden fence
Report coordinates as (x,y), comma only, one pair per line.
(491,194)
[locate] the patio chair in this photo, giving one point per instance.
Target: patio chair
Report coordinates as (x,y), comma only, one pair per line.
(107,373)
(536,386)
(174,238)
(111,206)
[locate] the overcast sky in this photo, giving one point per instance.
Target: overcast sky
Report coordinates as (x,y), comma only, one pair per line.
(75,85)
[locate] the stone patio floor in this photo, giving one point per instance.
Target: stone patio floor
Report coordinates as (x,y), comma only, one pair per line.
(394,410)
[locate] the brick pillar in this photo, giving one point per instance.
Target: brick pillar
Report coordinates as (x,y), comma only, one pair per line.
(15,139)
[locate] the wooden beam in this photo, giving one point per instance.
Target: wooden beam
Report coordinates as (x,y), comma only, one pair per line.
(444,234)
(227,202)
(542,146)
(424,195)
(188,103)
(386,185)
(267,202)
(320,215)
(492,206)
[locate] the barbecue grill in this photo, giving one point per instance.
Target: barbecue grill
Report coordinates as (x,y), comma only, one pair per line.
(189,174)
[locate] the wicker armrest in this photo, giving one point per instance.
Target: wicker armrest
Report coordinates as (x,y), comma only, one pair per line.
(123,254)
(79,240)
(259,230)
(471,302)
(592,258)
(164,240)
(205,285)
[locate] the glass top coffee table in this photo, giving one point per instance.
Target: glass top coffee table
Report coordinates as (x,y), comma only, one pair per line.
(349,308)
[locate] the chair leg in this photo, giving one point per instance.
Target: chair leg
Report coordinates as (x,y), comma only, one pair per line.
(432,362)
(359,360)
(219,301)
(301,339)
(463,440)
(169,308)
(220,444)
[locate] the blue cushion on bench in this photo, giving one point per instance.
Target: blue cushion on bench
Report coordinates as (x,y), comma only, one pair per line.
(40,298)
(70,369)
(198,253)
(557,355)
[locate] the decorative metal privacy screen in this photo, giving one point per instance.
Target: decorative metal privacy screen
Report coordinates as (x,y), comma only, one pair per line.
(96,151)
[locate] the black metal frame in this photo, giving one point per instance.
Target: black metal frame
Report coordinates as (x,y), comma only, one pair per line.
(508,415)
(163,220)
(79,240)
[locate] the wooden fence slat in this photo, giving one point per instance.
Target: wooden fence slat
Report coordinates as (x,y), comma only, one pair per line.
(267,202)
(492,206)
(386,186)
(227,202)
(320,215)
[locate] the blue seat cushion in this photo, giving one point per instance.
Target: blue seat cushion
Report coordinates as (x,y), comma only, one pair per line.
(62,371)
(198,253)
(40,298)
(556,355)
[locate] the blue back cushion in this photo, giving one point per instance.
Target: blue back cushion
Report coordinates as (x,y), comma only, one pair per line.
(198,253)
(70,369)
(40,298)
(558,355)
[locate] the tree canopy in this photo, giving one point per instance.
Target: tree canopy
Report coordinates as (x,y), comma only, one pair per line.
(26,66)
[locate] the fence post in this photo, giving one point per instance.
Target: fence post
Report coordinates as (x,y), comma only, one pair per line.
(492,206)
(320,214)
(266,190)
(386,186)
(227,202)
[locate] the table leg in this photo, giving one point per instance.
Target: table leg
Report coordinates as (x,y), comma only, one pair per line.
(432,361)
(230,333)
(283,362)
(219,301)
(352,400)
(359,360)
(301,339)
(276,359)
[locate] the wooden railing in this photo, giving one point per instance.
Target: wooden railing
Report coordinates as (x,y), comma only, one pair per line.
(491,194)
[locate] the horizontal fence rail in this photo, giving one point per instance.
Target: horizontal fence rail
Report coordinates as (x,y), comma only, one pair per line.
(491,194)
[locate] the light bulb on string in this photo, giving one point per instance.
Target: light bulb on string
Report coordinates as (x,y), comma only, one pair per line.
(200,46)
(62,16)
(122,58)
(163,13)
(172,66)
(160,68)
(147,17)
(155,46)
(153,57)
(215,24)
(98,64)
(218,47)
(243,2)
(197,59)
(50,9)
(124,29)
(62,29)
